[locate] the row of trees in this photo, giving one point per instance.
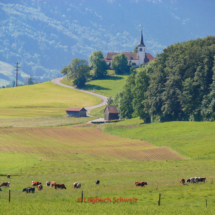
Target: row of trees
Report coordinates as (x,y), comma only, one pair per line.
(178,85)
(79,69)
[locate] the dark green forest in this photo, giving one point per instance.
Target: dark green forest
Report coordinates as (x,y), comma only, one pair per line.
(178,85)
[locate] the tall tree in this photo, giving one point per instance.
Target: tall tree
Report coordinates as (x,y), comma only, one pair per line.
(79,71)
(98,64)
(119,63)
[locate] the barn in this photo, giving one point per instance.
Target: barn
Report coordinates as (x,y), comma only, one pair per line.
(111,112)
(76,112)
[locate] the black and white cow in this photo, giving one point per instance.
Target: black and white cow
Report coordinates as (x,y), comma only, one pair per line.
(48,183)
(29,190)
(97,182)
(76,185)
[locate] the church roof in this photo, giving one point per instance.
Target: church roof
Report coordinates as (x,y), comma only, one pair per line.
(148,58)
(129,55)
(141,40)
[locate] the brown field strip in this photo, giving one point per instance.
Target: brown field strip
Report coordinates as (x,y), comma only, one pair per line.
(70,143)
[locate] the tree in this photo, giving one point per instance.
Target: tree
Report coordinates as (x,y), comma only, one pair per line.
(65,70)
(119,63)
(29,81)
(98,64)
(136,49)
(79,71)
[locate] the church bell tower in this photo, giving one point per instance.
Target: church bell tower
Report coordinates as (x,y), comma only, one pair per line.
(141,49)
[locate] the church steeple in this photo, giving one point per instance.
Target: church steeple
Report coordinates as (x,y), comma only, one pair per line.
(141,39)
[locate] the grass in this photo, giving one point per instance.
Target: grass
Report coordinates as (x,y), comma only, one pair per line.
(45,99)
(192,139)
(108,86)
(98,112)
(44,121)
(69,154)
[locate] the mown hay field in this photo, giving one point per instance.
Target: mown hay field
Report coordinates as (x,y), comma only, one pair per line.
(67,142)
(42,100)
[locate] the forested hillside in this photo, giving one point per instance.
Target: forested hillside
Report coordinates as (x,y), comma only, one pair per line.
(178,85)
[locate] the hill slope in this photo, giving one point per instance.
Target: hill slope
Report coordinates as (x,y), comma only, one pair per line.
(45,99)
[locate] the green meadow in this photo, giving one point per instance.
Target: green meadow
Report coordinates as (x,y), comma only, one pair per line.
(109,86)
(192,139)
(41,100)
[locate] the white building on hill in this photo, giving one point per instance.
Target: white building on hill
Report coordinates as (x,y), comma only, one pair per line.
(138,58)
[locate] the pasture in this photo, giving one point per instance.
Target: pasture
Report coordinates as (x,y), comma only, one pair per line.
(85,154)
(108,86)
(191,139)
(41,100)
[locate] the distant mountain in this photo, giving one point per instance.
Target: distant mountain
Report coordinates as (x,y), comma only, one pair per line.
(44,36)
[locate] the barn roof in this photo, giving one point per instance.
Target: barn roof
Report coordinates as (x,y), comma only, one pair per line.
(111,109)
(75,109)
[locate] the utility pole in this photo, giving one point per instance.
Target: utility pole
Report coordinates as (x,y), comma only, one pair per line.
(17,69)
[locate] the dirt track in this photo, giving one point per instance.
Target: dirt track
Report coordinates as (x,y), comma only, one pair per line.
(104,98)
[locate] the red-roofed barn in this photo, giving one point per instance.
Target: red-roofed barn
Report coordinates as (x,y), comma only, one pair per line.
(76,112)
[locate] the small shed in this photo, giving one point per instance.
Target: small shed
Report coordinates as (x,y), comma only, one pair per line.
(111,112)
(76,112)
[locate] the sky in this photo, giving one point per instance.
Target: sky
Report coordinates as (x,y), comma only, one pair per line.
(45,35)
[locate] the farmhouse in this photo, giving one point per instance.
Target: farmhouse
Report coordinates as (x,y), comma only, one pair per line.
(111,112)
(76,112)
(141,57)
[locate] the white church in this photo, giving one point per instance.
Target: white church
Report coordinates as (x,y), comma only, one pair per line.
(141,57)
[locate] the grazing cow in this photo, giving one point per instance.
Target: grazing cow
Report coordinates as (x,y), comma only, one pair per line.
(8,175)
(62,186)
(97,182)
(202,179)
(29,190)
(182,181)
(40,187)
(48,183)
(76,185)
(196,180)
(140,183)
(35,183)
(52,184)
(5,184)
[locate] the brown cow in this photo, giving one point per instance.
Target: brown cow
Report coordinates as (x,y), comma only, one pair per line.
(5,184)
(140,183)
(8,175)
(58,185)
(52,184)
(35,183)
(182,181)
(40,187)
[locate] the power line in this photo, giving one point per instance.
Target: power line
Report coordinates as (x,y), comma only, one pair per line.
(17,69)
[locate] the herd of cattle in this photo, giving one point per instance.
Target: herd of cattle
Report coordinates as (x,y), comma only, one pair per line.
(193,180)
(40,186)
(78,185)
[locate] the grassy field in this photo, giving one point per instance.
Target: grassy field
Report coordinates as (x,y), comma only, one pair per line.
(86,154)
(41,100)
(109,86)
(192,139)
(118,154)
